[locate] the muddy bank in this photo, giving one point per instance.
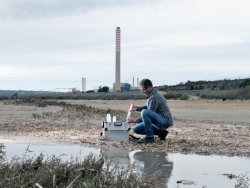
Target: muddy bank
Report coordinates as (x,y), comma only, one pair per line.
(205,133)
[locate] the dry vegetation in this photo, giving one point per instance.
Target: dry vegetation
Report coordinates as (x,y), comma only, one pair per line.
(92,172)
(82,124)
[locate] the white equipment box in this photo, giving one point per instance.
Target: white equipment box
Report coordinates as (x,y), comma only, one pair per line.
(117,131)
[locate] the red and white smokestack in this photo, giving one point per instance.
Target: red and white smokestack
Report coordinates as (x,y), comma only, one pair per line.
(118,59)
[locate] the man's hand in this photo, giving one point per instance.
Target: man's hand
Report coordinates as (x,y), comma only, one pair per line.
(130,120)
(133,108)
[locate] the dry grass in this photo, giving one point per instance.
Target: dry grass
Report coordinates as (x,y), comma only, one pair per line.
(90,172)
(242,181)
(82,124)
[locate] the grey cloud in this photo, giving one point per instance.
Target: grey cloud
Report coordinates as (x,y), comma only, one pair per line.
(40,8)
(238,51)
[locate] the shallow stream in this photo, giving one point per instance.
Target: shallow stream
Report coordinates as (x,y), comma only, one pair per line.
(203,171)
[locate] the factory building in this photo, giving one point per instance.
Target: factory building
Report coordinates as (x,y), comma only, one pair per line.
(124,87)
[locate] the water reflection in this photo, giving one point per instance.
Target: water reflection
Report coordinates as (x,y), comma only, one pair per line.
(154,160)
(144,161)
(120,156)
(205,171)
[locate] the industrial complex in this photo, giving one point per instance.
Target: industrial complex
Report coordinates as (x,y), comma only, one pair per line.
(117,86)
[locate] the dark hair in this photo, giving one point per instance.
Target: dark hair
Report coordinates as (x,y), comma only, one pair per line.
(146,82)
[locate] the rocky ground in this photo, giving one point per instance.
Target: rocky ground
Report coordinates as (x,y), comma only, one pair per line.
(200,126)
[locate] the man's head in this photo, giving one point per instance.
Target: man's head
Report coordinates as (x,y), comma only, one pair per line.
(146,86)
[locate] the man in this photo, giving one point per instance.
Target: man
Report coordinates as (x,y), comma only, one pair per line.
(155,115)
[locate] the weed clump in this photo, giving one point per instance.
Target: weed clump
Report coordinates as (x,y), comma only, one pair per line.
(242,181)
(175,96)
(2,153)
(93,171)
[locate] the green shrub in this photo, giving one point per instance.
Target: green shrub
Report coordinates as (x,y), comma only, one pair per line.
(245,83)
(35,115)
(243,93)
(232,94)
(90,91)
(184,97)
(222,87)
(14,95)
(170,96)
(175,96)
(104,89)
(164,88)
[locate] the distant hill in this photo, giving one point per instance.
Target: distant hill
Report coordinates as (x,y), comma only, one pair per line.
(213,85)
(218,89)
(22,92)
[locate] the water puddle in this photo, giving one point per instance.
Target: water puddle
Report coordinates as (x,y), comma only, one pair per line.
(200,171)
(64,150)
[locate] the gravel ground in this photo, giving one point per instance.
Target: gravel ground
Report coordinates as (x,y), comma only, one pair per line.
(201,126)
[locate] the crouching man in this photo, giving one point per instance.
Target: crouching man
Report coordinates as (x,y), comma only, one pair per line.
(155,115)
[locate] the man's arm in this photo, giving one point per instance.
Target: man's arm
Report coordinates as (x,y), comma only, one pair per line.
(132,120)
(136,108)
(140,108)
(138,120)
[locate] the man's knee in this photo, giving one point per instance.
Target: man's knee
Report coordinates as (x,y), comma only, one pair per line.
(144,112)
(135,130)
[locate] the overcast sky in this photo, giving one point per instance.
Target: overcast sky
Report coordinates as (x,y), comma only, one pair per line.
(48,44)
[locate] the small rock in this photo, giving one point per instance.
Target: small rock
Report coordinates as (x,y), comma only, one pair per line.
(231,176)
(185,182)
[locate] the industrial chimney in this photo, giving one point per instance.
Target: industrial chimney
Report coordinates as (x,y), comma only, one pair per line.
(118,59)
(83,84)
(133,83)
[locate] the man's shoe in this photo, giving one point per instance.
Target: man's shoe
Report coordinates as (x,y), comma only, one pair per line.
(162,135)
(146,140)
